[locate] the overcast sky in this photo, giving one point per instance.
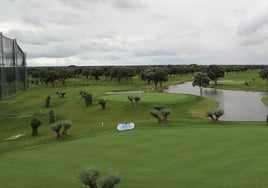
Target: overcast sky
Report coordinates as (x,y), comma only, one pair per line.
(138,32)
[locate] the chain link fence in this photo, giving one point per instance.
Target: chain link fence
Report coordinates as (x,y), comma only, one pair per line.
(13,72)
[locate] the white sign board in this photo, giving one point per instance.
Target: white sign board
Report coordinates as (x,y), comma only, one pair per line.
(125,126)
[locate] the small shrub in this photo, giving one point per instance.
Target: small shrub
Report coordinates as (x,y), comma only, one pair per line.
(56,127)
(137,99)
(35,123)
(156,114)
(134,100)
(102,102)
(66,124)
(111,181)
(82,93)
(215,114)
(48,101)
(160,113)
(88,99)
(89,177)
(61,94)
(62,124)
(165,112)
(158,108)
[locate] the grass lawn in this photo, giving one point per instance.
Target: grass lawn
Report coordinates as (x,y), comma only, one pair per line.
(187,151)
(162,156)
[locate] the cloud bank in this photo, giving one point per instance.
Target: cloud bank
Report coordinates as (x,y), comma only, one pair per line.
(127,32)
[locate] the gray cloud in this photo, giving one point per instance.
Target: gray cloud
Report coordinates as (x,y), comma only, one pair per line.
(137,31)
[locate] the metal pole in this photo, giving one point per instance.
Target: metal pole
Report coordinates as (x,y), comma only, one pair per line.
(25,71)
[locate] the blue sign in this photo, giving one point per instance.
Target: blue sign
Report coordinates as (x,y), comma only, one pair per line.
(125,126)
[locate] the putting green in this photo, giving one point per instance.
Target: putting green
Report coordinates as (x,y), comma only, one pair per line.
(152,97)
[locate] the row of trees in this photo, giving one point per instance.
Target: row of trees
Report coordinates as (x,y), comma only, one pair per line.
(51,75)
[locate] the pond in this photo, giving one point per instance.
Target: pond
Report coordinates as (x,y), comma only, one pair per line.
(237,105)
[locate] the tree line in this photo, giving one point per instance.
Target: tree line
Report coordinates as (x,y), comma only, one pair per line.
(150,74)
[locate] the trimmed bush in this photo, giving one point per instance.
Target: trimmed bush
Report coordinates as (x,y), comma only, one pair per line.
(215,114)
(35,123)
(48,101)
(51,117)
(61,94)
(56,127)
(89,177)
(160,113)
(111,181)
(134,100)
(88,99)
(66,124)
(102,102)
(82,93)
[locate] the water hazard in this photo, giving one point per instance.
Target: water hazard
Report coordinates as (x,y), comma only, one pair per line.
(237,105)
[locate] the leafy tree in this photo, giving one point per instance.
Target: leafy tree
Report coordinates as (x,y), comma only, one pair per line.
(89,177)
(48,101)
(125,73)
(35,123)
(63,74)
(214,72)
(155,74)
(201,80)
(215,114)
(102,102)
(96,72)
(264,74)
(88,99)
(51,117)
(49,76)
(86,72)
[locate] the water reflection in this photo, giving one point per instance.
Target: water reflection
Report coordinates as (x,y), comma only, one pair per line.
(237,105)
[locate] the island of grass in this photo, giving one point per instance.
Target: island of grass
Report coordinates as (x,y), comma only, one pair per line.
(265,100)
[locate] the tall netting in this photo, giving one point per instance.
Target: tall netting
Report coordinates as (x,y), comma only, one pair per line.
(13,72)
